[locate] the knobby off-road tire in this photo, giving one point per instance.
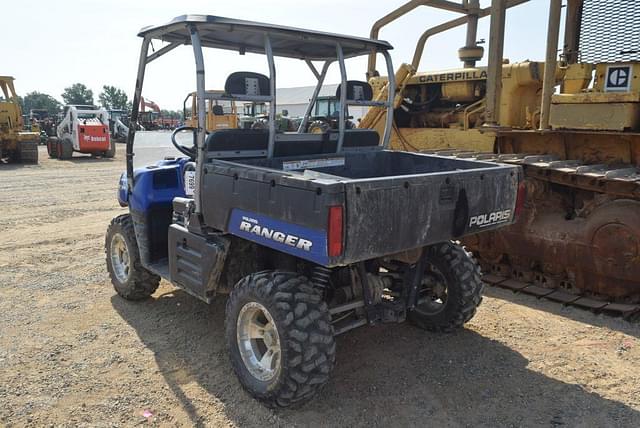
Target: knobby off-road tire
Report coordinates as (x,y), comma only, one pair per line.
(28,152)
(112,149)
(304,337)
(461,275)
(65,149)
(130,280)
(319,127)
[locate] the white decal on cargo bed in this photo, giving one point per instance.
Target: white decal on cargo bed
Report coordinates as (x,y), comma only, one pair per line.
(490,219)
(312,163)
(251,226)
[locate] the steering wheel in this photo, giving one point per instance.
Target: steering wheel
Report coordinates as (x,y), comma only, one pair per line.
(191,152)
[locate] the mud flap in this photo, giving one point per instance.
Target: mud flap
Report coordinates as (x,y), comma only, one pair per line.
(196,262)
(461,214)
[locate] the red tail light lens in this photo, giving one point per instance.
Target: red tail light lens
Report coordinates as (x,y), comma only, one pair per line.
(334,234)
(522,195)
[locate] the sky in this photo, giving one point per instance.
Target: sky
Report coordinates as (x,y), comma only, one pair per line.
(49,45)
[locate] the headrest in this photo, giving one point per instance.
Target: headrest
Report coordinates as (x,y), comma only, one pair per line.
(247,83)
(357,90)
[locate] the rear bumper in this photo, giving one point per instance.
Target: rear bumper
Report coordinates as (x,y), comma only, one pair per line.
(94,144)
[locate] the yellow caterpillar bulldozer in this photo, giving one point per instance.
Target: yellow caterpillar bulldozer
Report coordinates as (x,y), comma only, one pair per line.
(220,114)
(16,144)
(572,122)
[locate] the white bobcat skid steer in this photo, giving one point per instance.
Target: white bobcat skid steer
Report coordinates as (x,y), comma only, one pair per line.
(84,129)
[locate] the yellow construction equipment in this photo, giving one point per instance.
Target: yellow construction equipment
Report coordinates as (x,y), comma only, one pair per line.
(573,123)
(221,114)
(16,144)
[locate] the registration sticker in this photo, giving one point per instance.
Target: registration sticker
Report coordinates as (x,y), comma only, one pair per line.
(312,163)
(189,182)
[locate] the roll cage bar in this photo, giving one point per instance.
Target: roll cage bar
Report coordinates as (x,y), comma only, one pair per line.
(205,31)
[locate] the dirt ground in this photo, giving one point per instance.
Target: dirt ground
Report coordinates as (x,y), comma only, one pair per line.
(73,353)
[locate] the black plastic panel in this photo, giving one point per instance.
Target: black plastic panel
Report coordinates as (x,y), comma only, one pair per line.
(196,262)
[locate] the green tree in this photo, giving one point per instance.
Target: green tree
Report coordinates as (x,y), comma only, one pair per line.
(38,100)
(171,114)
(113,98)
(78,94)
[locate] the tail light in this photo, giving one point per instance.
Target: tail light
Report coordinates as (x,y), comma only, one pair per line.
(81,129)
(520,198)
(335,232)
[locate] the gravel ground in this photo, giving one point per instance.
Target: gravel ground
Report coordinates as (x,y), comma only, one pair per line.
(72,353)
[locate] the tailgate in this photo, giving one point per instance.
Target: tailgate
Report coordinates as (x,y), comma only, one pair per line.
(390,215)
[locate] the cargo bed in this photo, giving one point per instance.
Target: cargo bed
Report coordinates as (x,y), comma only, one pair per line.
(393,201)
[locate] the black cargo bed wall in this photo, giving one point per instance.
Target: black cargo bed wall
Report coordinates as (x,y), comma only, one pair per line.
(376,164)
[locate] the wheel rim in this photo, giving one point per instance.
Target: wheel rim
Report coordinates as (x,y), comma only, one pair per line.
(433,292)
(258,341)
(120,259)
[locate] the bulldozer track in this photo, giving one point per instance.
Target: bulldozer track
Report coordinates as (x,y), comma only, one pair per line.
(615,179)
(628,311)
(621,180)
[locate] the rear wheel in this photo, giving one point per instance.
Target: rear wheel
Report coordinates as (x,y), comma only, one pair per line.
(450,291)
(112,149)
(129,278)
(280,338)
(65,149)
(260,124)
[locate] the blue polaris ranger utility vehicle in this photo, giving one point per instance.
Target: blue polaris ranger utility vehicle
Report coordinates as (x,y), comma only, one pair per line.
(310,235)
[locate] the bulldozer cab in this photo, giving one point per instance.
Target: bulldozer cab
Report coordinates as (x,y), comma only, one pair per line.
(10,112)
(220,114)
(595,73)
(255,109)
(326,107)
(16,142)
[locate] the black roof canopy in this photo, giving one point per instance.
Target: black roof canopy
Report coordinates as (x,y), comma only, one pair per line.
(248,36)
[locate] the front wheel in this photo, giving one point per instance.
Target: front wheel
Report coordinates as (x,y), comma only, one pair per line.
(451,289)
(129,278)
(65,149)
(319,127)
(279,336)
(52,147)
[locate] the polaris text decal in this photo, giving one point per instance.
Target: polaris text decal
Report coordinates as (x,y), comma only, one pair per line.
(490,219)
(290,238)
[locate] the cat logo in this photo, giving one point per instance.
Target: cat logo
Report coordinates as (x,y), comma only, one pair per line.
(618,79)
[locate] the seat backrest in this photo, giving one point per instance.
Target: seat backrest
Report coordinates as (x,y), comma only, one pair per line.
(357,90)
(247,83)
(229,143)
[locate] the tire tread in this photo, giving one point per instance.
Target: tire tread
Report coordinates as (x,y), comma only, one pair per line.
(303,319)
